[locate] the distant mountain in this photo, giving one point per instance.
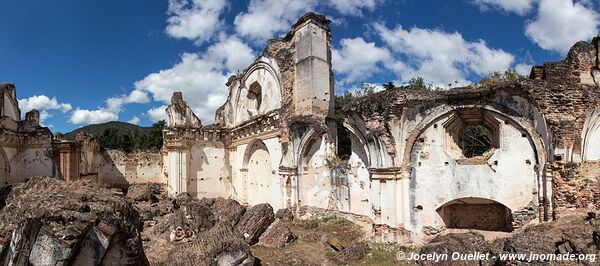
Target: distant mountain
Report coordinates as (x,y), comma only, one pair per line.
(122,128)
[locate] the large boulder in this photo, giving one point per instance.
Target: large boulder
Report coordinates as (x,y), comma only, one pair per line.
(255,221)
(228,210)
(51,222)
(278,235)
(284,214)
(144,192)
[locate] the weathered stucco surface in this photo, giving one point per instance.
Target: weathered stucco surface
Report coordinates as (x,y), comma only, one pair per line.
(407,177)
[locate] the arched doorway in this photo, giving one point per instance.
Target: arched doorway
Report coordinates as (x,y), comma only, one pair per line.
(314,184)
(260,176)
(476,213)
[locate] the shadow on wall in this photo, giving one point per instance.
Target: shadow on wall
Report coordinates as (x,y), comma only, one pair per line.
(476,213)
(110,173)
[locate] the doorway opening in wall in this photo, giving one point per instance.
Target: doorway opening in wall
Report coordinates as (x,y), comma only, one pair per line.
(476,213)
(475,140)
(254,98)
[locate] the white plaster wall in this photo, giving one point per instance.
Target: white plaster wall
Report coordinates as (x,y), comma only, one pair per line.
(26,163)
(512,182)
(118,167)
(207,171)
(266,76)
(256,176)
(10,108)
(177,176)
(591,137)
(314,185)
(358,181)
(35,162)
(236,158)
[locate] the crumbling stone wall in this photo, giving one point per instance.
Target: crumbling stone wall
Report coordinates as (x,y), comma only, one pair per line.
(119,168)
(576,187)
(282,102)
(26,148)
(549,109)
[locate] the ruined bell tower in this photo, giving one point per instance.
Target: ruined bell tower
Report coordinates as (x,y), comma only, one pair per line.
(313,87)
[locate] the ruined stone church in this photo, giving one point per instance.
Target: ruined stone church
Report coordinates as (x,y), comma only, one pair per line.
(411,172)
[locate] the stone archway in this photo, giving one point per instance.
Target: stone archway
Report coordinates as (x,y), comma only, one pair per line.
(260,175)
(476,213)
(314,183)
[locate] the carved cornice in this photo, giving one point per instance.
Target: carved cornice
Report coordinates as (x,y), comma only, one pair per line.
(388,173)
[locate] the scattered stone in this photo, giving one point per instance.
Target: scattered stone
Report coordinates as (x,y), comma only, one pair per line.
(278,235)
(220,245)
(353,253)
(465,243)
(255,221)
(284,215)
(228,210)
(144,192)
(43,224)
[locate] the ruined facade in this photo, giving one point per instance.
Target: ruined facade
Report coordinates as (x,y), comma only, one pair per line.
(272,137)
(26,148)
(494,157)
(412,171)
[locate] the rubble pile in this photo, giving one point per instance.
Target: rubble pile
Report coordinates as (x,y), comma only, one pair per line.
(51,222)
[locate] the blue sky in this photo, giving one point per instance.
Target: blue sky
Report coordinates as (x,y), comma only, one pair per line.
(82,62)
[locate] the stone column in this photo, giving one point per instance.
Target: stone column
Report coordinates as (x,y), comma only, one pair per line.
(178,159)
(69,156)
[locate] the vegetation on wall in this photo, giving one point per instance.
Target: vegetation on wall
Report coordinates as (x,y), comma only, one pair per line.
(472,138)
(497,77)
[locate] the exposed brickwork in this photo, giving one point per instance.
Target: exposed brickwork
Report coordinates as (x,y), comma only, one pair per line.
(576,186)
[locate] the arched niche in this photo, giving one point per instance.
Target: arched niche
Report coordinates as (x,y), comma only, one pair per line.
(591,137)
(508,174)
(314,183)
(259,91)
(261,182)
(476,213)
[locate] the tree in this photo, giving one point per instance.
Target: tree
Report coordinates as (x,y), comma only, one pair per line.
(389,86)
(344,143)
(152,139)
(417,83)
(496,77)
(155,136)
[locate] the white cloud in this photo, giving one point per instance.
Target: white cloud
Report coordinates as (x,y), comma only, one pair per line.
(440,57)
(134,120)
(231,53)
(520,7)
(358,59)
(115,104)
(196,20)
(354,7)
(523,69)
(43,102)
(158,113)
(201,79)
(265,18)
(561,23)
(86,117)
